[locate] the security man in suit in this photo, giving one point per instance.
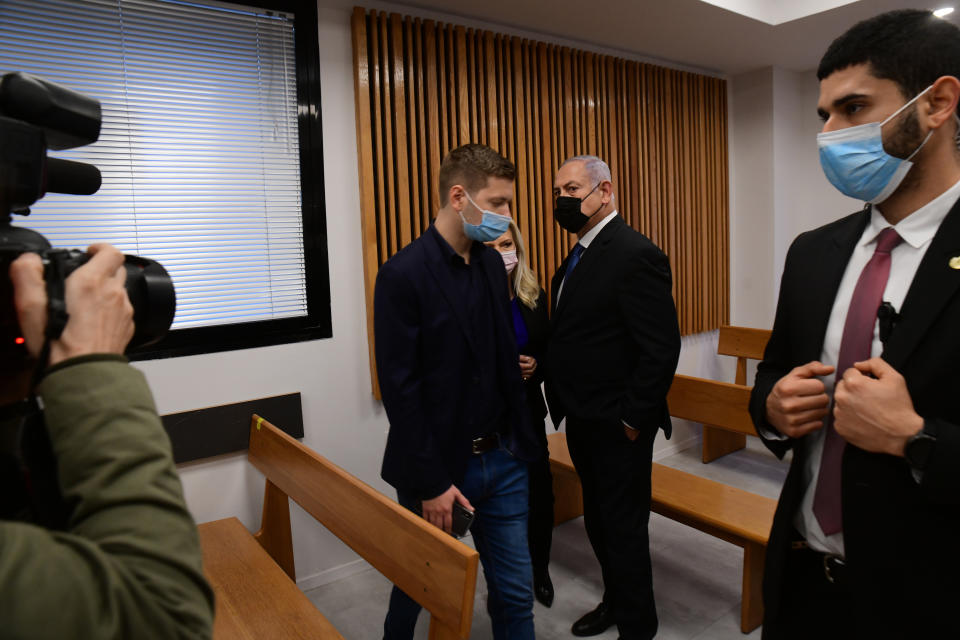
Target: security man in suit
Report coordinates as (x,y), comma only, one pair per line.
(450,378)
(613,350)
(860,376)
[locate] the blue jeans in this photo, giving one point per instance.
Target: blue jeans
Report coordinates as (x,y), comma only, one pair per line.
(496,484)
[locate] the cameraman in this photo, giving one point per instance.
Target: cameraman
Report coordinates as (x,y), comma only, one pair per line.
(127,562)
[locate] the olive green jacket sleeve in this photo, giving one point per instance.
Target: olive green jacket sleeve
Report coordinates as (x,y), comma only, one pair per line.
(129,564)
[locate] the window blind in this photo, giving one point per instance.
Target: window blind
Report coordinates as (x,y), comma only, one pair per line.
(198,148)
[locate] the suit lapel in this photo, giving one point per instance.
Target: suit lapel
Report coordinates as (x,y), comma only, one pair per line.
(933,285)
(434,260)
(504,338)
(555,286)
(588,260)
(825,273)
(493,272)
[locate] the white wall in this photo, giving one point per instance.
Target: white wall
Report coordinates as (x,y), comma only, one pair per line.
(751,198)
(804,198)
(341,419)
(777,187)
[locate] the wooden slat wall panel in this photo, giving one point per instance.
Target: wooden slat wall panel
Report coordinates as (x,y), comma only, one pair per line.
(365,86)
(424,88)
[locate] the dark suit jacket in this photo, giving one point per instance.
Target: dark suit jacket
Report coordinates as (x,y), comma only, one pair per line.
(426,365)
(901,538)
(538,329)
(614,341)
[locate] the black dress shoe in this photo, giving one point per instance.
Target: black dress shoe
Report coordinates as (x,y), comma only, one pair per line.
(543,588)
(595,622)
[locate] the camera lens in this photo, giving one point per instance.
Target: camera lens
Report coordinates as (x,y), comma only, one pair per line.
(154,300)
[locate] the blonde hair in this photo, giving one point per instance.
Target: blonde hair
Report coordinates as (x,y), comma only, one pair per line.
(523,279)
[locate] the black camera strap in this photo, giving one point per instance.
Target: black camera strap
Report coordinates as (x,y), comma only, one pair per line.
(57,315)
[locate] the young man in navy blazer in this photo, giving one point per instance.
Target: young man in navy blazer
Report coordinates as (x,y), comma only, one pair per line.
(860,376)
(449,374)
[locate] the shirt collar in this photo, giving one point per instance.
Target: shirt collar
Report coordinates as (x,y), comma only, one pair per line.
(448,252)
(593,233)
(918,228)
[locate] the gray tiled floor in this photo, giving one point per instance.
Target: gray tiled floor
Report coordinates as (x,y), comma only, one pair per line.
(696,576)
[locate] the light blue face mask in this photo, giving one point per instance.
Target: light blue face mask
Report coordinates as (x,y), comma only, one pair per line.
(855,162)
(492,226)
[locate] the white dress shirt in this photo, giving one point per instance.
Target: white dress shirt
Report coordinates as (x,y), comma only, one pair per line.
(917,230)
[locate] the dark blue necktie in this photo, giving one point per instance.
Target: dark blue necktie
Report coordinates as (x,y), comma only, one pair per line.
(572,261)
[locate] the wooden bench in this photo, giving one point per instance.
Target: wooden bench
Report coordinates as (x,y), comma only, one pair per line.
(742,343)
(737,516)
(257,596)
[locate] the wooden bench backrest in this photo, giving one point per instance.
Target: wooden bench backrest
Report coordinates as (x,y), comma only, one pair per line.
(743,343)
(430,566)
(720,404)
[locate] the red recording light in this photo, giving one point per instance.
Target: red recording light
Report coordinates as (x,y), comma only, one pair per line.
(19,340)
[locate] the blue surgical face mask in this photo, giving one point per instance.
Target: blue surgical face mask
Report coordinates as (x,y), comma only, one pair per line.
(492,226)
(855,162)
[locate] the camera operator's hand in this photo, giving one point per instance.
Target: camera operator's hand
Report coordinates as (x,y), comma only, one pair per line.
(101,316)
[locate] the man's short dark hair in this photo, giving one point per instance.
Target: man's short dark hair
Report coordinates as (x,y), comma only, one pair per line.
(471,166)
(910,47)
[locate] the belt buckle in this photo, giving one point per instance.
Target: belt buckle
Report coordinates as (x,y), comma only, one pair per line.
(485,443)
(829,560)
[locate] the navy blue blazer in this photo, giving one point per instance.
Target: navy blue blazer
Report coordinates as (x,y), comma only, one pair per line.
(426,365)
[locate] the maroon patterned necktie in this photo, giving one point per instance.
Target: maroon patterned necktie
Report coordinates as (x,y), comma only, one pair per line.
(854,347)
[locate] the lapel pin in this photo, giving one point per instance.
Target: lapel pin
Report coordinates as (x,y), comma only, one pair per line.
(955,262)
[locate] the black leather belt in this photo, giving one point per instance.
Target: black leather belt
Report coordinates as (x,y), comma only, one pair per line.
(834,566)
(485,443)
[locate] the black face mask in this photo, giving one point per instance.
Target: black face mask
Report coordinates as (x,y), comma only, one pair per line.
(568,215)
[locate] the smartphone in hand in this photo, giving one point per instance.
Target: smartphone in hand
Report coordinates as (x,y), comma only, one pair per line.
(462,519)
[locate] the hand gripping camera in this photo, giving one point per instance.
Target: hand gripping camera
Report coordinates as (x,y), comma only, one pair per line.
(36,115)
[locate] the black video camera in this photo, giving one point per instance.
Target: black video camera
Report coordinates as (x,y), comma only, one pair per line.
(36,115)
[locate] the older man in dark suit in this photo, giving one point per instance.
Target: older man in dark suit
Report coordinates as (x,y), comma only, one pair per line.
(864,541)
(612,354)
(448,370)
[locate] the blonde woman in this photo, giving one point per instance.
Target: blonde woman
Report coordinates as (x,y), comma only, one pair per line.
(531,325)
